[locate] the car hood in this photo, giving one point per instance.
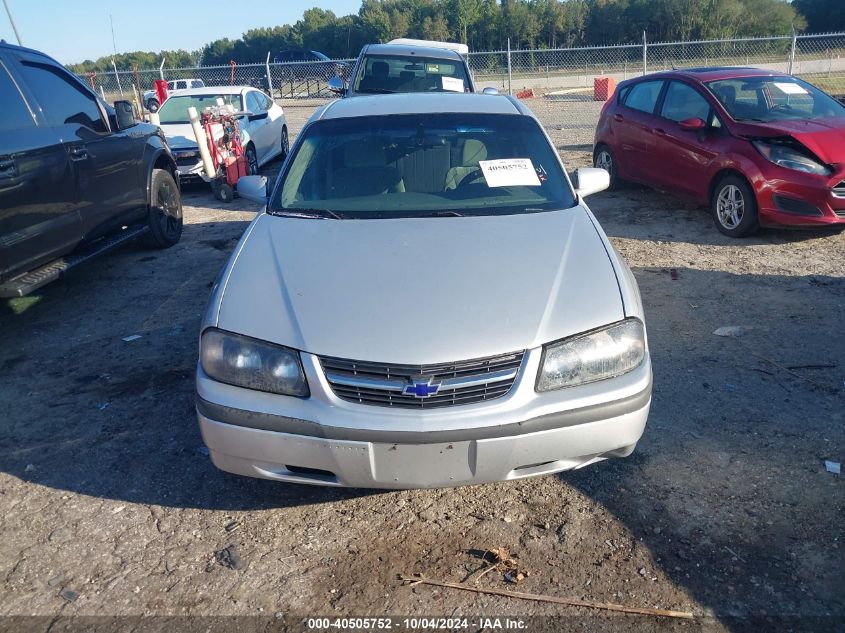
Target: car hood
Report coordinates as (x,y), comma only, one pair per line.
(421,290)
(824,137)
(179,135)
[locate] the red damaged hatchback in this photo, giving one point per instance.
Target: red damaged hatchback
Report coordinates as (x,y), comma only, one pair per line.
(762,149)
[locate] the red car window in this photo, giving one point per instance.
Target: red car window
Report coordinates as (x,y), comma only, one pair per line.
(643,96)
(684,102)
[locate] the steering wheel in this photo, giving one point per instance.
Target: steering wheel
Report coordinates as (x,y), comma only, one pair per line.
(470,178)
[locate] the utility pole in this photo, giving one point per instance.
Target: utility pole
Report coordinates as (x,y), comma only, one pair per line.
(12,22)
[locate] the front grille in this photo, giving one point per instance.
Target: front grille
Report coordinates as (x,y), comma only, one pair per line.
(187,161)
(461,382)
(839,190)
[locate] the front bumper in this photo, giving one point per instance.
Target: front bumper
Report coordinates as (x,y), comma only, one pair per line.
(793,198)
(190,171)
(328,441)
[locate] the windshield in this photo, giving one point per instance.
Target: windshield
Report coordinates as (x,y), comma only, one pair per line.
(383,74)
(175,109)
(769,99)
(423,165)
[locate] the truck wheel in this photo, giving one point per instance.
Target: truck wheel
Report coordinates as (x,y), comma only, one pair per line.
(165,215)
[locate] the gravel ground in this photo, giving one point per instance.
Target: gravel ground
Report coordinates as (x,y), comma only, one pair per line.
(110,506)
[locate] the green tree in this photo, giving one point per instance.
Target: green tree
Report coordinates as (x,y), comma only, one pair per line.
(822,16)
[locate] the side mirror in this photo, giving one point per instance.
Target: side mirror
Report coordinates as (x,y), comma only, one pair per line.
(589,180)
(253,188)
(693,125)
(124,114)
(489,90)
(337,86)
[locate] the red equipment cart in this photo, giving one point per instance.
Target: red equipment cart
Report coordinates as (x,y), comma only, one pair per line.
(227,151)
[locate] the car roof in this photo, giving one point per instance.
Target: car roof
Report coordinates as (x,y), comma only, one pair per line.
(713,73)
(406,50)
(422,103)
(15,47)
(217,90)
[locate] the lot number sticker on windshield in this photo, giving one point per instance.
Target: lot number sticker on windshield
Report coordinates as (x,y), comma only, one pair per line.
(790,88)
(509,172)
(452,84)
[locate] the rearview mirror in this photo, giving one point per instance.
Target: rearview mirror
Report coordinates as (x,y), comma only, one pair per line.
(124,114)
(693,125)
(336,85)
(489,90)
(589,180)
(253,188)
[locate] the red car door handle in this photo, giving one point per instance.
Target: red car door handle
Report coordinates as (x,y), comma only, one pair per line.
(618,117)
(660,131)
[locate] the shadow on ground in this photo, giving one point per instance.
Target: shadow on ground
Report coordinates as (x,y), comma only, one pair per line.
(727,490)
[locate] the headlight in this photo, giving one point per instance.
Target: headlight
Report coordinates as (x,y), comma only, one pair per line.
(253,364)
(609,352)
(790,157)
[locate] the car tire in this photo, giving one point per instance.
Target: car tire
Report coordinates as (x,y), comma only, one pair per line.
(285,143)
(603,158)
(165,215)
(734,207)
(251,160)
(153,105)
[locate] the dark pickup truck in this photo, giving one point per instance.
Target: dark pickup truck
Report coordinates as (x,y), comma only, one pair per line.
(77,177)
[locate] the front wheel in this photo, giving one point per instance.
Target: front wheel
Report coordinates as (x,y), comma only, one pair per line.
(603,159)
(734,207)
(165,216)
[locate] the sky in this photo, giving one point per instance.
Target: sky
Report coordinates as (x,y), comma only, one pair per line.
(75,30)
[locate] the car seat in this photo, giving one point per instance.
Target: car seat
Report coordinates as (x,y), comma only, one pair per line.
(727,95)
(472,151)
(377,79)
(365,171)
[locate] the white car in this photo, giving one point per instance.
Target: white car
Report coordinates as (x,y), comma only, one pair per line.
(263,126)
(426,301)
(151,96)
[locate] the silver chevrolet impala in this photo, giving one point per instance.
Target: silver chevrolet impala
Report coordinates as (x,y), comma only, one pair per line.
(426,300)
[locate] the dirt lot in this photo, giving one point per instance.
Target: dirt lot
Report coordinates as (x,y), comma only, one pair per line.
(110,506)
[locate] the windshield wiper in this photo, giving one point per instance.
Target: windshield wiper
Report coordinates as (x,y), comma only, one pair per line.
(444,214)
(378,91)
(307,213)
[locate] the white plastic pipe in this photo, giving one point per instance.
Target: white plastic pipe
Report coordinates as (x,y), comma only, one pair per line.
(161,68)
(202,142)
(154,119)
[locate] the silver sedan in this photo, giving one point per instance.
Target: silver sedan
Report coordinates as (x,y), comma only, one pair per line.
(425,301)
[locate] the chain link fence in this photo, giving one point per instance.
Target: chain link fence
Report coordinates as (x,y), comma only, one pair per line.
(296,80)
(559,84)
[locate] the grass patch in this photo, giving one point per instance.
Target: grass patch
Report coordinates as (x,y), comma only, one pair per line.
(831,85)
